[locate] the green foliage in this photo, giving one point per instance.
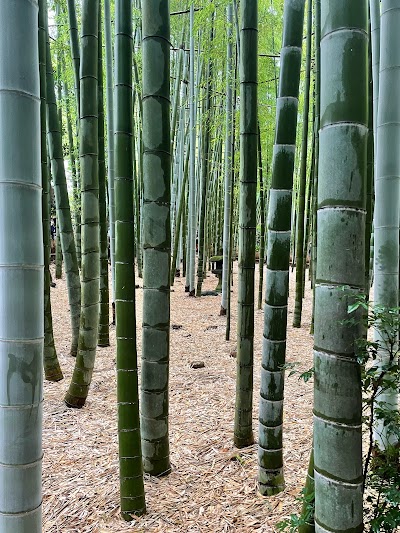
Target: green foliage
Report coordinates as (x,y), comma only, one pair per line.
(305,376)
(292,524)
(381,467)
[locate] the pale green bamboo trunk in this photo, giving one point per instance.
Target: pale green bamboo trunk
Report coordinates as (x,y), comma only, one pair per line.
(317,73)
(156,237)
(375,18)
(76,186)
(51,365)
(227,165)
(206,166)
(59,259)
(130,453)
(243,430)
(191,241)
(110,137)
(104,318)
(262,196)
(340,268)
(88,150)
(270,452)
(21,270)
(387,189)
(300,258)
(64,222)
(74,41)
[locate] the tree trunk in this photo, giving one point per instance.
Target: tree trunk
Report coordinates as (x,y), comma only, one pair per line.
(300,259)
(270,456)
(74,40)
(21,270)
(52,367)
(64,222)
(110,138)
(104,318)
(130,452)
(243,431)
(227,166)
(89,146)
(387,191)
(156,237)
(340,268)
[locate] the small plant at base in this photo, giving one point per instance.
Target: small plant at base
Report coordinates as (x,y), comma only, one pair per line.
(381,467)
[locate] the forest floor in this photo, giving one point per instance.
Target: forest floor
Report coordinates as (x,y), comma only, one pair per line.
(213,485)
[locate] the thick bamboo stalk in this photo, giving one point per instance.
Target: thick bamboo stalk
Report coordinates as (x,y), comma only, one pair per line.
(88,150)
(156,237)
(52,367)
(387,191)
(104,320)
(110,137)
(243,430)
(270,453)
(340,267)
(21,270)
(130,452)
(64,230)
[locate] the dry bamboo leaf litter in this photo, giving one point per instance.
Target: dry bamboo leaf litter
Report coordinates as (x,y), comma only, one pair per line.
(213,486)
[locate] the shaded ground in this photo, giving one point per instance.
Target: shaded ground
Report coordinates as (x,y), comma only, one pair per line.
(212,487)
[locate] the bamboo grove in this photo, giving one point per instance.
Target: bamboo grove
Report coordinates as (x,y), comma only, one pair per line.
(167,138)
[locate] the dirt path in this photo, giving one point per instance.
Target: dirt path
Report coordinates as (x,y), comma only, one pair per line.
(212,487)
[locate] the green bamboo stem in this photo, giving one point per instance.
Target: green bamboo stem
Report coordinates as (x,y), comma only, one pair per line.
(89,146)
(21,270)
(340,267)
(370,179)
(104,317)
(75,175)
(138,150)
(74,41)
(308,220)
(227,164)
(190,268)
(65,230)
(58,252)
(52,367)
(243,431)
(206,165)
(270,453)
(179,218)
(262,222)
(232,213)
(300,259)
(387,193)
(317,73)
(110,137)
(156,237)
(130,453)
(375,18)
